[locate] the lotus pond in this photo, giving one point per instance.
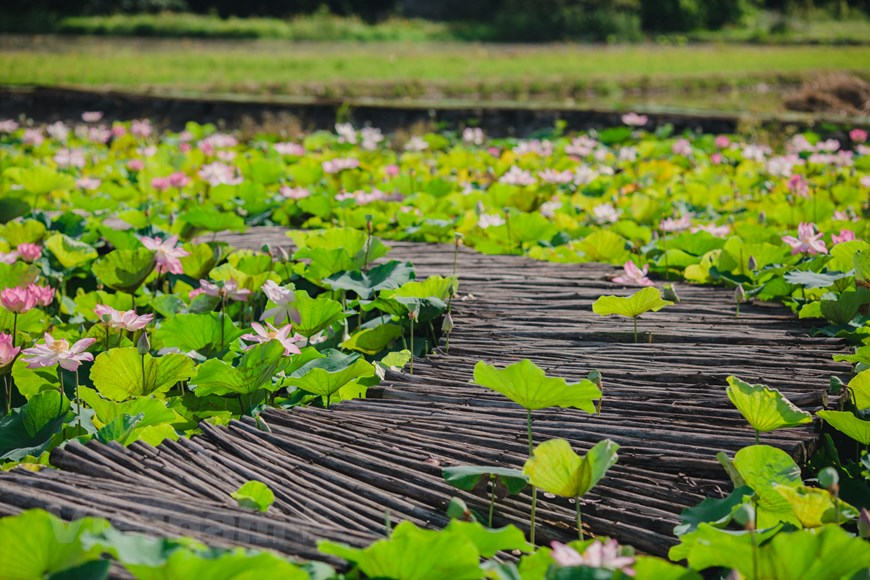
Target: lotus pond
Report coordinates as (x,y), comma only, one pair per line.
(124,319)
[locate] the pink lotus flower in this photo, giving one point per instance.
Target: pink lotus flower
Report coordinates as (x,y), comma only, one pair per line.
(283,298)
(605,213)
(88,183)
(218,173)
(798,185)
(228,290)
(676,225)
(18,300)
(391,170)
(294,192)
(858,135)
(141,128)
(55,352)
(127,320)
(178,179)
(283,336)
(722,141)
(807,242)
(597,555)
(634,120)
(8,351)
(681,147)
(340,164)
(291,149)
(845,236)
(713,229)
(8,257)
(168,254)
(8,126)
(92,116)
(161,184)
(29,252)
(42,295)
(517,176)
(32,137)
(194,293)
(135,165)
(634,276)
(716,158)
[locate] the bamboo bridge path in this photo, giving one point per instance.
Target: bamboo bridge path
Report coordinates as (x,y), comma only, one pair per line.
(338,473)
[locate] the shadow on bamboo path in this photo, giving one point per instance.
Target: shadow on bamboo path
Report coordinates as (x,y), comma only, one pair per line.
(336,473)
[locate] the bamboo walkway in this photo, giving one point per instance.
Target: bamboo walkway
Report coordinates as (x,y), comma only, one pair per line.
(338,473)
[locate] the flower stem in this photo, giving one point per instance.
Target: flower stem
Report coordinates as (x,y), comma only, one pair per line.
(8,390)
(78,404)
(579,519)
(756,437)
(60,389)
(14,327)
(412,344)
(223,305)
(492,482)
(144,385)
(634,320)
(534,489)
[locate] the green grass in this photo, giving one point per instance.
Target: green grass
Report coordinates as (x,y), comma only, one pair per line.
(699,75)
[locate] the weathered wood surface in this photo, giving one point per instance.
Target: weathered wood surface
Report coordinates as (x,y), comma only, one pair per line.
(337,472)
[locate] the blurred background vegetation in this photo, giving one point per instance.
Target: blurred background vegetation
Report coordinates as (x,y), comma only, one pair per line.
(786,21)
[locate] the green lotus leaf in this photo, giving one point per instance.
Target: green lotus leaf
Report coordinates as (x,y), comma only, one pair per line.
(555,468)
(33,427)
(153,411)
(324,378)
(438,287)
(713,511)
(814,507)
(69,252)
(17,274)
(862,267)
(847,423)
(210,220)
(763,407)
(859,386)
(527,385)
(646,300)
(22,232)
(237,564)
(316,314)
(411,553)
(467,477)
(37,544)
(253,372)
(604,246)
(200,260)
(198,332)
(255,495)
(117,373)
(809,555)
(388,276)
(266,172)
(40,180)
(124,270)
(762,468)
(490,541)
(32,381)
(373,340)
(650,568)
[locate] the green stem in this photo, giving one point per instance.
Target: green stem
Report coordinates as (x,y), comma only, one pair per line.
(60,388)
(492,481)
(534,489)
(7,387)
(754,545)
(14,327)
(756,437)
(144,385)
(78,404)
(634,320)
(737,315)
(579,519)
(412,346)
(223,305)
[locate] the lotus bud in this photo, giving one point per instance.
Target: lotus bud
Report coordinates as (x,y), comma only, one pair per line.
(829,479)
(752,263)
(745,516)
(762,217)
(447,324)
(266,249)
(595,376)
(670,293)
(143,345)
(836,385)
(740,294)
(283,254)
(480,209)
(864,523)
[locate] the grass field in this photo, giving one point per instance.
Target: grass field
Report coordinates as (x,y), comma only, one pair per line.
(703,76)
